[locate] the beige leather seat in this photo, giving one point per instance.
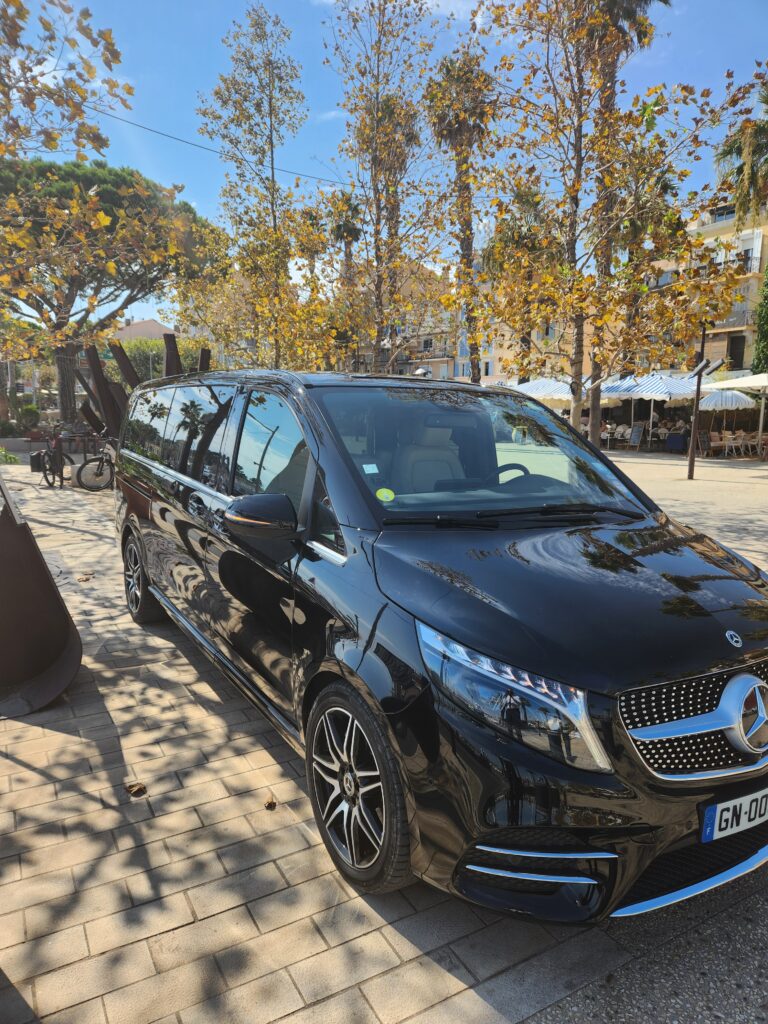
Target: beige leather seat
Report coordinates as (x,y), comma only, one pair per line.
(431,456)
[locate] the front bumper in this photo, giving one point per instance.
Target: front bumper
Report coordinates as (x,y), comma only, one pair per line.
(513,830)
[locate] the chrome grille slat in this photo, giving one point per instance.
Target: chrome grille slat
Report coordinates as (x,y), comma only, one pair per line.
(706,755)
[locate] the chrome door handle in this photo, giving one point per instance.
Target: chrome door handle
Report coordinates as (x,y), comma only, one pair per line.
(196,506)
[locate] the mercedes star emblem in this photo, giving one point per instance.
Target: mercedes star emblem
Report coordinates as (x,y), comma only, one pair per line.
(754,718)
(734,638)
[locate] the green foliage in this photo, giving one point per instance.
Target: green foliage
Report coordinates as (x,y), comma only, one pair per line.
(7,429)
(743,160)
(8,458)
(116,186)
(760,360)
(29,416)
(148,357)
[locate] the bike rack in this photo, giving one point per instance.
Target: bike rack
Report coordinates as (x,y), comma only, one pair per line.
(40,647)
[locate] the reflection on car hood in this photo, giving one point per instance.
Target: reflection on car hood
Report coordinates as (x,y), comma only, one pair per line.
(602,607)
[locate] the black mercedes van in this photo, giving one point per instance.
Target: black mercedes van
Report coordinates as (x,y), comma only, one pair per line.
(511,674)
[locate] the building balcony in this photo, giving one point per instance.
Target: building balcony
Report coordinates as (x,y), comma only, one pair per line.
(739,316)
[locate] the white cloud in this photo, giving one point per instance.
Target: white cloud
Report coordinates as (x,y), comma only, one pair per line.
(335,114)
(459,8)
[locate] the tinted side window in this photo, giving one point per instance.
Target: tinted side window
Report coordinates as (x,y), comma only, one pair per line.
(146,426)
(272,456)
(326,525)
(196,424)
(208,460)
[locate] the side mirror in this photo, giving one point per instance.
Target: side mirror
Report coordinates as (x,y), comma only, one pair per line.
(256,518)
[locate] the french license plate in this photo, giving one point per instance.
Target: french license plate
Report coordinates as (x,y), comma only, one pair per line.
(734,816)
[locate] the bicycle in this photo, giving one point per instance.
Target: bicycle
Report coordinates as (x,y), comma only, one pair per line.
(98,472)
(53,457)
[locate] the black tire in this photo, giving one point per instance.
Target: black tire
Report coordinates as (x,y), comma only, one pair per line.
(142,606)
(356,792)
(46,464)
(96,474)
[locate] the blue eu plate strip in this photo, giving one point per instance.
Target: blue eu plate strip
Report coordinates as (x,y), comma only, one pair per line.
(710,817)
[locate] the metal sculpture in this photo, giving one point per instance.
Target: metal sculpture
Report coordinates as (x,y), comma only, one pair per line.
(40,645)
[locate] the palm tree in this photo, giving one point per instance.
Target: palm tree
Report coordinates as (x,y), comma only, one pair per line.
(743,158)
(397,119)
(346,230)
(461,102)
(624,27)
(311,242)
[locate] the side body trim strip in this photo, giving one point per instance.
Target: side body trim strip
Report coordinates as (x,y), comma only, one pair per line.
(528,876)
(549,854)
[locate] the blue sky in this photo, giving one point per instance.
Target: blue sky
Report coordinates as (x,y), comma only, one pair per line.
(172,52)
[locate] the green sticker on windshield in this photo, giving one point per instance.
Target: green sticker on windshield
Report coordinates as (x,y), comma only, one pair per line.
(384,494)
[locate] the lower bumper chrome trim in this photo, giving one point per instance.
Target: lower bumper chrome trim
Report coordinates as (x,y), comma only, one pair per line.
(645,906)
(549,854)
(528,876)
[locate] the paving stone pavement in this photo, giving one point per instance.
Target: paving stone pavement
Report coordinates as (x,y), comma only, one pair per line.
(195,903)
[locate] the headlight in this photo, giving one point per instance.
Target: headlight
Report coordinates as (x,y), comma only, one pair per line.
(543,714)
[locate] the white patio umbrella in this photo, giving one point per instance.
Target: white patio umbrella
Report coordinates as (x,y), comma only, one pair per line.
(552,392)
(725,402)
(616,391)
(620,389)
(659,387)
(755,382)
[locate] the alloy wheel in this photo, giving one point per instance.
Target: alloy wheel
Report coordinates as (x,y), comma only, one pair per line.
(349,788)
(132,575)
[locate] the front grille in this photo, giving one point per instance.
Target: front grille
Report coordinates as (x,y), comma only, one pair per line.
(685,755)
(695,863)
(671,701)
(704,753)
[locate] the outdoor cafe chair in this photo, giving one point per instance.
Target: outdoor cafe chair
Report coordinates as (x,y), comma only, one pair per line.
(749,443)
(716,443)
(732,443)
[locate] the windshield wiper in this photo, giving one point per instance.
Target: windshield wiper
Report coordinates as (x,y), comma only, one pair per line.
(563,511)
(439,519)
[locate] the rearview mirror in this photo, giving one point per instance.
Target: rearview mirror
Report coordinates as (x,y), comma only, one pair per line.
(260,517)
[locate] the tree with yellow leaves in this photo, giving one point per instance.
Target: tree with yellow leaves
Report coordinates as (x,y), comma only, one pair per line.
(81,243)
(56,72)
(381,50)
(600,171)
(254,108)
(55,67)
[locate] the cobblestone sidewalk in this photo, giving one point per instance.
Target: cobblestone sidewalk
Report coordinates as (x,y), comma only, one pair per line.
(193,902)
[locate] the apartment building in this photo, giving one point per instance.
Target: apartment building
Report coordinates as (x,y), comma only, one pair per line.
(733,338)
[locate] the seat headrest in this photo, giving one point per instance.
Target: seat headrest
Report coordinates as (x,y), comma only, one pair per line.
(433,436)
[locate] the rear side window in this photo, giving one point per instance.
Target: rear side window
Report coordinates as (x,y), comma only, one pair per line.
(272,456)
(145,428)
(196,425)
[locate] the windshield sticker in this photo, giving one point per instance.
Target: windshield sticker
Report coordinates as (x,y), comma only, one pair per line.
(370,467)
(384,494)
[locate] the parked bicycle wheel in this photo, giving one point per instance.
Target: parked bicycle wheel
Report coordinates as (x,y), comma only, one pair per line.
(48,468)
(96,474)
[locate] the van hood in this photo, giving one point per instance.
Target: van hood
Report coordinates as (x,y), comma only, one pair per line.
(601,607)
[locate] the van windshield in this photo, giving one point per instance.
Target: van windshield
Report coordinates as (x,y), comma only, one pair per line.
(423,451)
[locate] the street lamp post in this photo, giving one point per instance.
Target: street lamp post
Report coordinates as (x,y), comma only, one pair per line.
(697,399)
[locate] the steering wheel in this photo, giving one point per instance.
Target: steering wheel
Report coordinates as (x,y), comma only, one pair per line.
(502,469)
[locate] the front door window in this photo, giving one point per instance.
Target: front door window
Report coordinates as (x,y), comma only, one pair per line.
(272,457)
